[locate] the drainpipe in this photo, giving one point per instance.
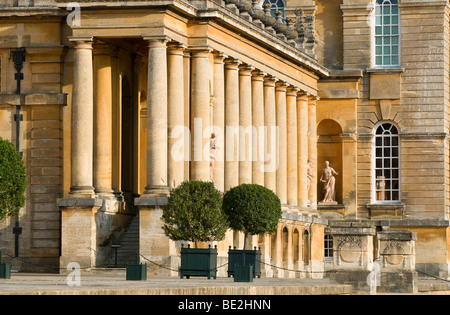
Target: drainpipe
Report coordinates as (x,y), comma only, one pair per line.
(18,59)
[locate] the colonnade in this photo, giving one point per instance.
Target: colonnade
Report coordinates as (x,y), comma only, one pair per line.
(235,95)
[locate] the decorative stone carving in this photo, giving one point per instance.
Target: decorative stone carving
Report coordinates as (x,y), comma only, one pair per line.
(300,28)
(310,35)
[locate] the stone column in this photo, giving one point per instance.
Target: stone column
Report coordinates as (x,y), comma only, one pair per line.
(312,151)
(157,135)
(103,121)
(302,140)
(258,123)
(397,258)
(82,121)
(219,120)
(79,208)
(200,107)
(175,84)
(231,123)
(153,243)
(281,148)
(292,152)
(270,154)
(245,124)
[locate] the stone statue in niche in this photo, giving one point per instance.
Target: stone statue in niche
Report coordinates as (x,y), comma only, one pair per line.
(212,156)
(329,184)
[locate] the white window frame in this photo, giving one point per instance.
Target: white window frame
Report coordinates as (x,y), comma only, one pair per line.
(386,39)
(385,185)
(277,8)
(328,246)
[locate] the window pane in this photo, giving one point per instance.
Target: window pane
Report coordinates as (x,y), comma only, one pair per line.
(387,50)
(387,20)
(394,8)
(395,196)
(394,40)
(386,60)
(387,40)
(395,60)
(386,30)
(394,20)
(394,30)
(378,50)
(395,163)
(378,30)
(379,61)
(386,9)
(378,163)
(395,50)
(378,40)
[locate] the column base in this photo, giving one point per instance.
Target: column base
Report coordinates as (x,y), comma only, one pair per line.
(153,243)
(156,191)
(81,192)
(79,231)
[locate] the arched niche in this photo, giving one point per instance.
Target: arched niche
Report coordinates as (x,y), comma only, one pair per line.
(329,148)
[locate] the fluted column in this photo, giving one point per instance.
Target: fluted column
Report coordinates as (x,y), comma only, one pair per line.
(219,120)
(157,135)
(258,123)
(292,145)
(200,107)
(231,123)
(270,154)
(302,138)
(82,120)
(312,148)
(245,123)
(281,173)
(175,86)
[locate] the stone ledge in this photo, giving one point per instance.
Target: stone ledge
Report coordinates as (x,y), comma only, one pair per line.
(150,201)
(79,202)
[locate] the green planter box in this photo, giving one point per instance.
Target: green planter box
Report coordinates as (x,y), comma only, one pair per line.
(137,272)
(5,271)
(198,262)
(244,257)
(243,273)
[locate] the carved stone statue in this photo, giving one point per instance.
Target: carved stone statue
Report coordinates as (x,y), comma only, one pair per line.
(329,183)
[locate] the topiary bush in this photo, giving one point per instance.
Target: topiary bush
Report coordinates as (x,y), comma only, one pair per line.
(194,213)
(252,209)
(13,180)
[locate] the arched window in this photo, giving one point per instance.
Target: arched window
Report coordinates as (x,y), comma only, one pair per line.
(386,163)
(277,5)
(387,34)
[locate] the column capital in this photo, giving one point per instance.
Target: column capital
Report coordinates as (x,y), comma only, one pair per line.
(176,48)
(219,57)
(157,41)
(313,99)
(281,86)
(258,75)
(302,95)
(82,42)
(200,51)
(292,90)
(270,80)
(81,39)
(245,70)
(232,64)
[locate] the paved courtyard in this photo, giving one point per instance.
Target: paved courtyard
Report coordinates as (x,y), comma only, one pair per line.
(115,283)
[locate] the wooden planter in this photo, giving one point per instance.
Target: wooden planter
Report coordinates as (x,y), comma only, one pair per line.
(198,262)
(244,257)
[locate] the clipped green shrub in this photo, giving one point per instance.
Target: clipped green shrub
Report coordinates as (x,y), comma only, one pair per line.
(194,213)
(13,180)
(252,209)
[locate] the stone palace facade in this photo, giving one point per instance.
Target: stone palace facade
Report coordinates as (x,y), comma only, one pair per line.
(113,103)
